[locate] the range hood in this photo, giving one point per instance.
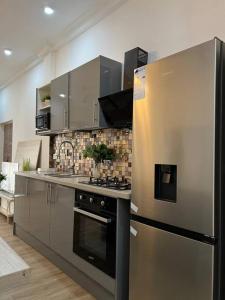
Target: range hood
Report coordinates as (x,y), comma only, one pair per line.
(117,109)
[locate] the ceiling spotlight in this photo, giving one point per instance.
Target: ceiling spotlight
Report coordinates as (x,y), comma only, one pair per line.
(7,52)
(48,10)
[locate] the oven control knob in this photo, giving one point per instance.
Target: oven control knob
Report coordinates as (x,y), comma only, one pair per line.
(91,200)
(102,203)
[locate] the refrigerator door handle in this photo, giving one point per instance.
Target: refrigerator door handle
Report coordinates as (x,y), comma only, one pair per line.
(133,231)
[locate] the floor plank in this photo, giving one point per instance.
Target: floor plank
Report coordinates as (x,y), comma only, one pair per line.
(46,282)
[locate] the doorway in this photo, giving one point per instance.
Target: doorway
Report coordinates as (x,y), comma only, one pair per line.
(7,145)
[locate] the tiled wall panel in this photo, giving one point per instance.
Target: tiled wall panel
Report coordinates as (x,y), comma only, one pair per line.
(120,140)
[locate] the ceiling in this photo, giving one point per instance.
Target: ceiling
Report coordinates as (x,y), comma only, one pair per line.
(30,33)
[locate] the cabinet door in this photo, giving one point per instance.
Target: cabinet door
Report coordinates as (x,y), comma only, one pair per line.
(84,93)
(39,209)
(22,203)
(59,102)
(61,228)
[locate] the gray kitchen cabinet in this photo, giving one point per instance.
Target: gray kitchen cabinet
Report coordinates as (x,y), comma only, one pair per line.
(59,102)
(22,202)
(61,221)
(39,194)
(97,78)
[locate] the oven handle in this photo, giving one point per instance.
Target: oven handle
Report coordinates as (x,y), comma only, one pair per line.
(93,216)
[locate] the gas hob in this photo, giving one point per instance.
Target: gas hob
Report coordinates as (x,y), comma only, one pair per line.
(114,183)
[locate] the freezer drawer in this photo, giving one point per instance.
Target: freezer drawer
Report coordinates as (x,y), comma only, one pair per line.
(164,266)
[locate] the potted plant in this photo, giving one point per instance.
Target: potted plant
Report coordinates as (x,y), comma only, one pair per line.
(26,165)
(45,100)
(99,153)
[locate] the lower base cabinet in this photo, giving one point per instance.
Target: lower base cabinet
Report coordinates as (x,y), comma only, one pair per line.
(61,221)
(22,204)
(45,213)
(45,210)
(39,209)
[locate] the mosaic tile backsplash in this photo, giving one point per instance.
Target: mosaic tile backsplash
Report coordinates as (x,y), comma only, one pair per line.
(119,139)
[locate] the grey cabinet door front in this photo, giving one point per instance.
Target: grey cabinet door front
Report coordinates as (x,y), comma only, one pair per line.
(59,102)
(84,93)
(22,203)
(61,228)
(165,266)
(39,210)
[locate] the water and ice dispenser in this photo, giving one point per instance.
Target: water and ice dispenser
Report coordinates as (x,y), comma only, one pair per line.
(166,182)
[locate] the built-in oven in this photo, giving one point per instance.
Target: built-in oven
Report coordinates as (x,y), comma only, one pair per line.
(43,121)
(95,230)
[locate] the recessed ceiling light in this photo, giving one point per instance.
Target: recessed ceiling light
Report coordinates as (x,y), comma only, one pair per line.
(7,52)
(48,10)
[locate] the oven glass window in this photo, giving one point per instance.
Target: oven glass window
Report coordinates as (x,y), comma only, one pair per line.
(92,236)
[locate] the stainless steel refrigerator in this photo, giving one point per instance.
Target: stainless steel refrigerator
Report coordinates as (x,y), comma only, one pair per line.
(178,177)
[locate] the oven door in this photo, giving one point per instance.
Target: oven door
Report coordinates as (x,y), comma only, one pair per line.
(95,239)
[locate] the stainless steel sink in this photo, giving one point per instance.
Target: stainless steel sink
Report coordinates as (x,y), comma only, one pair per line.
(64,175)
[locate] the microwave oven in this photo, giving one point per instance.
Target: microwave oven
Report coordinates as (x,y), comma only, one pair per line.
(43,121)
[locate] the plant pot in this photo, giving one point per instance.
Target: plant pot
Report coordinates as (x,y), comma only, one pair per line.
(96,170)
(47,102)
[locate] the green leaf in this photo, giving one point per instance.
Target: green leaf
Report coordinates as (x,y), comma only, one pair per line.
(99,152)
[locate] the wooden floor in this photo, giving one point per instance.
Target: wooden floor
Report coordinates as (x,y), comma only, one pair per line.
(46,281)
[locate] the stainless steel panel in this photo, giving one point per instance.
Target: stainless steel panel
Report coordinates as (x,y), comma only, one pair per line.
(174,124)
(164,266)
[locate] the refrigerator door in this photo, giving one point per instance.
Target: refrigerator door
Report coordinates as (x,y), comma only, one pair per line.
(173,139)
(167,266)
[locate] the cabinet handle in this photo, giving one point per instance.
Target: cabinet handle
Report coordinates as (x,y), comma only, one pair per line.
(19,196)
(26,193)
(47,192)
(50,186)
(56,194)
(95,113)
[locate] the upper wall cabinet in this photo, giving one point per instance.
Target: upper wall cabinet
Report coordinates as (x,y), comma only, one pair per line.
(87,83)
(74,96)
(59,103)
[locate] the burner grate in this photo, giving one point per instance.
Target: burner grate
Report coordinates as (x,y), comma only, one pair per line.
(110,183)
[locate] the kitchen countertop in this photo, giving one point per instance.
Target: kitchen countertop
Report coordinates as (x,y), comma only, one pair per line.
(74,183)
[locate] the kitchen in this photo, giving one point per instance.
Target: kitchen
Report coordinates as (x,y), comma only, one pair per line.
(113,201)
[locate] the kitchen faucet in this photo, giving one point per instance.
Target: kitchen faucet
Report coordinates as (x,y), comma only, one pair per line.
(73,148)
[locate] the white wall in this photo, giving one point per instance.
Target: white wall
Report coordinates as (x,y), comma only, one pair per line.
(162,27)
(18,103)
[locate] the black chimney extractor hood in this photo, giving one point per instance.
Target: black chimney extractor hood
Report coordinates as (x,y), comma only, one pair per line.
(118,109)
